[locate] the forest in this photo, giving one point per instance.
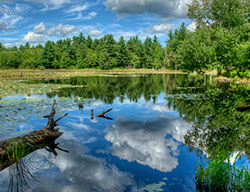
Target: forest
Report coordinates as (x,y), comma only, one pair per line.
(220,42)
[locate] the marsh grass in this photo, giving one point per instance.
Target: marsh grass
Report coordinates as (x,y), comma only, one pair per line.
(17,151)
(219,175)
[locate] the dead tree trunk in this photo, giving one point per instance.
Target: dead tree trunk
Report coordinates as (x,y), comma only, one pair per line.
(14,149)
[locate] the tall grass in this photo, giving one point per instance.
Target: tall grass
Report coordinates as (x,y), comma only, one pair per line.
(219,175)
(17,151)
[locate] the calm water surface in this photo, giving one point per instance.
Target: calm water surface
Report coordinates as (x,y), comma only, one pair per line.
(152,140)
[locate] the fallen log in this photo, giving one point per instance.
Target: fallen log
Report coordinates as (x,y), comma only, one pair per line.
(14,149)
(103,113)
(241,109)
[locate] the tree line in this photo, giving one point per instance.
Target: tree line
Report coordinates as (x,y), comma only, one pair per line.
(220,42)
(81,52)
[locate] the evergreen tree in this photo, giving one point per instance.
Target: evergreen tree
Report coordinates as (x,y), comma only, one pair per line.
(122,53)
(48,54)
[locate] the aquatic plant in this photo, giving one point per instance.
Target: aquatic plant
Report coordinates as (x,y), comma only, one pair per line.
(219,175)
(155,187)
(17,151)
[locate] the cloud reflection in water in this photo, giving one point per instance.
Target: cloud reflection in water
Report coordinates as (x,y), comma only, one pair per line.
(85,173)
(146,143)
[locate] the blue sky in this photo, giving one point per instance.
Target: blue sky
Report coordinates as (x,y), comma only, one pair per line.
(37,21)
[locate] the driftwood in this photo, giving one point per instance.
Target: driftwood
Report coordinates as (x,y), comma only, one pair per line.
(241,109)
(103,113)
(14,149)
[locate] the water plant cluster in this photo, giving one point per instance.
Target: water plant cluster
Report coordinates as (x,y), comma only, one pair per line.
(219,174)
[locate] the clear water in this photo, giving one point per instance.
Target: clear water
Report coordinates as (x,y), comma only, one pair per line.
(150,141)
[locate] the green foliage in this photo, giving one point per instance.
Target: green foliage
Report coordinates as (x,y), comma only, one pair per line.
(17,151)
(122,53)
(197,52)
(215,119)
(175,40)
(219,175)
(30,58)
(9,59)
(220,40)
(242,59)
(219,13)
(80,52)
(48,54)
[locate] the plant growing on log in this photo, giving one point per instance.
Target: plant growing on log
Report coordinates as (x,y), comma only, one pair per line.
(14,149)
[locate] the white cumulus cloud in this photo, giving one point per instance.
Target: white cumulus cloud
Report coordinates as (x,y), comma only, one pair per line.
(162,28)
(39,29)
(62,30)
(162,8)
(192,26)
(33,37)
(95,33)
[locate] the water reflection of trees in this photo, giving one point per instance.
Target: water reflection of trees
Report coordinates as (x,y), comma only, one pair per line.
(216,121)
(133,88)
(210,106)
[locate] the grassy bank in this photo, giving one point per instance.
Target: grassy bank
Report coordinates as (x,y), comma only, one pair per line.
(11,81)
(21,74)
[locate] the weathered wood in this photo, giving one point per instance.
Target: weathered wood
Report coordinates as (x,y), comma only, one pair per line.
(14,149)
(103,113)
(241,109)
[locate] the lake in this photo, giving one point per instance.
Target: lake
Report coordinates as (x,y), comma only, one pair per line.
(159,128)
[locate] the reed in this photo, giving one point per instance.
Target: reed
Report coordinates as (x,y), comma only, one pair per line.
(219,175)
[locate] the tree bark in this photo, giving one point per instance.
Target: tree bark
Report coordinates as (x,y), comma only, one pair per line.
(14,149)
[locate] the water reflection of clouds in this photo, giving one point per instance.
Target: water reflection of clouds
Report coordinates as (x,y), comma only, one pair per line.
(96,103)
(146,143)
(160,107)
(85,173)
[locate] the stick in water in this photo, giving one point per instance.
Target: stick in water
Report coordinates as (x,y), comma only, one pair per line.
(102,114)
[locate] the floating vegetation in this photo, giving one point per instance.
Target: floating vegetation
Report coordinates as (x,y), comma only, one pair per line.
(13,112)
(155,187)
(8,88)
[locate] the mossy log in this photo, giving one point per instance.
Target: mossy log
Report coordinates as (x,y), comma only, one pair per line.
(14,149)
